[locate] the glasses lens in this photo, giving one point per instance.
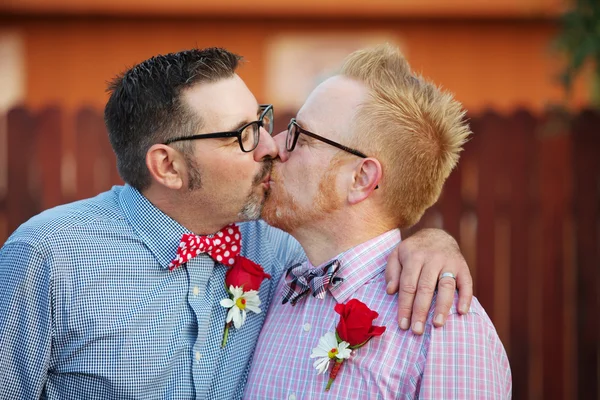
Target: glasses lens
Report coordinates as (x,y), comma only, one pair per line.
(291,136)
(268,120)
(250,136)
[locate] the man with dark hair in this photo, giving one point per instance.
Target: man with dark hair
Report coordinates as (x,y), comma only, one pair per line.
(103,298)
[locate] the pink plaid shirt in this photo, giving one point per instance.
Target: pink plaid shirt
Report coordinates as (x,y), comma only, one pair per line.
(463,360)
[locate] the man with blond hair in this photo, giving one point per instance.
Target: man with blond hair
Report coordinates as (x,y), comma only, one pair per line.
(368,153)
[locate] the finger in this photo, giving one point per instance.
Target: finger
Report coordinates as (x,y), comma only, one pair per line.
(444,300)
(464,283)
(409,279)
(423,298)
(392,272)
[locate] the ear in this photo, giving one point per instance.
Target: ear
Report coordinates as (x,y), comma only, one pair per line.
(366,177)
(166,165)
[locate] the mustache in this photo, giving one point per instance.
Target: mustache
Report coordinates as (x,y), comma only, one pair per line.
(264,171)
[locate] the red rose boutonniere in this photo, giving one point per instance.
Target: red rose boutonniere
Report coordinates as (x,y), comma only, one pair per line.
(242,282)
(354,330)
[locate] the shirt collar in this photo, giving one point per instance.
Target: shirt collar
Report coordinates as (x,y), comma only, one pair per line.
(159,232)
(362,263)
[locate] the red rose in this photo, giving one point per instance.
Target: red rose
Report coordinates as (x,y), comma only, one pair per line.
(356,323)
(245,273)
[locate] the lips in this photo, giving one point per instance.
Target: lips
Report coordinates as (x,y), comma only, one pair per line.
(267,181)
(267,178)
(274,176)
(265,173)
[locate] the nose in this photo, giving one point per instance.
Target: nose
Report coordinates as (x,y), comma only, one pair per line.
(267,148)
(281,147)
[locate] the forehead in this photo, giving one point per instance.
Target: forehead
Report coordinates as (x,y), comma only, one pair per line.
(332,105)
(222,103)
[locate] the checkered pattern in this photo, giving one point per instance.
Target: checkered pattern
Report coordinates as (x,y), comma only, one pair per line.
(303,278)
(89,309)
(463,360)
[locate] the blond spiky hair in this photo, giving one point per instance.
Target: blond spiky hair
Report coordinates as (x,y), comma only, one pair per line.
(411,126)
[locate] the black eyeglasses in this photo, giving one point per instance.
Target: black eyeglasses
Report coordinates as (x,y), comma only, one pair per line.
(294,131)
(247,136)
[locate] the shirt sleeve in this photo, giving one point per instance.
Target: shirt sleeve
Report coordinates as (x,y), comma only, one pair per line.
(466,360)
(25,322)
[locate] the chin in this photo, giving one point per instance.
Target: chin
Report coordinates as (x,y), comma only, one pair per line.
(253,208)
(269,217)
(271,212)
(282,215)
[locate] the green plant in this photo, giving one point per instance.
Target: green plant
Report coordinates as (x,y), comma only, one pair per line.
(579,40)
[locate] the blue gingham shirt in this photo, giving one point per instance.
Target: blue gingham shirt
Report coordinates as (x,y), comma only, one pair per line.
(89,309)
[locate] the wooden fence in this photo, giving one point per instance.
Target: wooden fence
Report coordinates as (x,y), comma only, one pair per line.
(523,204)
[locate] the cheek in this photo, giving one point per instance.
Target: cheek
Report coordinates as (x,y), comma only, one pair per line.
(295,175)
(305,178)
(239,173)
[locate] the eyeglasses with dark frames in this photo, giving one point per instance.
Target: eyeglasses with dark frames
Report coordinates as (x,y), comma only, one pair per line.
(294,131)
(248,135)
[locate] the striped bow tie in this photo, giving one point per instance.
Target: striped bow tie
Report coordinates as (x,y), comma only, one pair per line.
(300,279)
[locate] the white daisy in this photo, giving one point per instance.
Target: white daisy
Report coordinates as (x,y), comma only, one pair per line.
(241,302)
(328,349)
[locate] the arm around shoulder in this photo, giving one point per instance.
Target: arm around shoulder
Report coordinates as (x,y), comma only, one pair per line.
(466,360)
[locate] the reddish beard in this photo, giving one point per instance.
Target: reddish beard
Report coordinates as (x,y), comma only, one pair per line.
(282,211)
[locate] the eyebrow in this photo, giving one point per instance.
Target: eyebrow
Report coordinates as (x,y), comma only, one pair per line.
(237,126)
(243,122)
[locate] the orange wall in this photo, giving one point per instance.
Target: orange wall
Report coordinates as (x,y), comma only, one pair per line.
(497,63)
(305,8)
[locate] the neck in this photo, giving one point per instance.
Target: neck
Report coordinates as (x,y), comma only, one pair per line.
(195,217)
(340,231)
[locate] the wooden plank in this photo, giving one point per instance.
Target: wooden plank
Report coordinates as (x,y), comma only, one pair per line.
(486,133)
(586,175)
(109,160)
(20,140)
(555,187)
(501,185)
(450,204)
(96,164)
(535,376)
(86,152)
(48,156)
(468,171)
(520,155)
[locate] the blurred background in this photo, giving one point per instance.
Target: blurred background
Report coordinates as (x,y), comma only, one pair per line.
(523,204)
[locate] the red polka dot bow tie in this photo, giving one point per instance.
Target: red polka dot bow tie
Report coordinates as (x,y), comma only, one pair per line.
(223,247)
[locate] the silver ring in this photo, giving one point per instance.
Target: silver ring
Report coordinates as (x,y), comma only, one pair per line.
(447,275)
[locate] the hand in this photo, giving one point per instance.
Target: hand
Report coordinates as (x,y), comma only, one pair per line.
(415,266)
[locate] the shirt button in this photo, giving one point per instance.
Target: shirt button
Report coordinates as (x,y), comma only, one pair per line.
(306,327)
(292,396)
(198,356)
(196,291)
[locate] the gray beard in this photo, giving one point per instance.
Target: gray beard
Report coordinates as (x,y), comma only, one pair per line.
(252,208)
